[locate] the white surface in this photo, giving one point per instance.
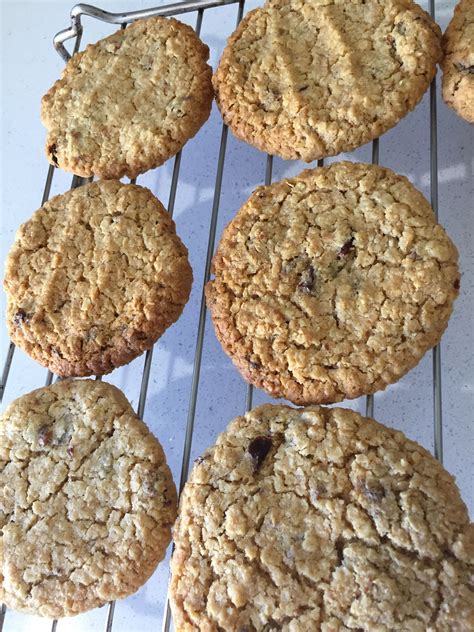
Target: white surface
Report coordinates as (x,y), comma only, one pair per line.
(29,66)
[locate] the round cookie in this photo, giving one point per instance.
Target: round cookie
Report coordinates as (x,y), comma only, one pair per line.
(320,519)
(129,102)
(305,79)
(333,284)
(458,62)
(94,278)
(86,499)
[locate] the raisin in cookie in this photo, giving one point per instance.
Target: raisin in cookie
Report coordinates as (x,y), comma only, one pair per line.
(86,499)
(458,63)
(129,102)
(333,284)
(320,519)
(94,278)
(304,79)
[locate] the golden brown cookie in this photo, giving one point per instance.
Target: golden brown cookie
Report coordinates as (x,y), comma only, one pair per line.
(86,499)
(333,284)
(320,519)
(305,79)
(94,278)
(458,63)
(129,102)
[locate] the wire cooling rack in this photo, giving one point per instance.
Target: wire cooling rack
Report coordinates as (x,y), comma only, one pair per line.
(198,7)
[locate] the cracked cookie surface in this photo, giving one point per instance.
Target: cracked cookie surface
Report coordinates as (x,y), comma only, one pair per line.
(129,102)
(94,278)
(86,499)
(308,79)
(458,62)
(320,519)
(332,284)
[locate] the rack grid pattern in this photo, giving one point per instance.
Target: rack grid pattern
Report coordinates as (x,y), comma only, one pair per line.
(199,6)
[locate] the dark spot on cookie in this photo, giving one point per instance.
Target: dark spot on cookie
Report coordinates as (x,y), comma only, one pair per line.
(391,42)
(372,490)
(274,626)
(308,281)
(401,28)
(45,435)
(21,317)
(346,248)
(339,546)
(52,150)
(457,284)
(90,335)
(201,459)
(319,491)
(258,449)
(302,88)
(467,69)
(70,450)
(65,438)
(149,486)
(270,626)
(254,365)
(413,255)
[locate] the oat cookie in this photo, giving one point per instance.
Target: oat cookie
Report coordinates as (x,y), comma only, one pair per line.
(94,278)
(319,519)
(86,499)
(458,63)
(333,284)
(129,102)
(304,79)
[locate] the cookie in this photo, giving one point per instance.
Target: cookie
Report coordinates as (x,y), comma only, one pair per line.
(458,63)
(305,79)
(86,499)
(320,519)
(333,284)
(129,102)
(94,278)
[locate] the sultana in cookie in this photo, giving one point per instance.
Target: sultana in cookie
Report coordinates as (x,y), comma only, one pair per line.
(129,102)
(94,278)
(305,79)
(86,499)
(333,284)
(458,63)
(320,519)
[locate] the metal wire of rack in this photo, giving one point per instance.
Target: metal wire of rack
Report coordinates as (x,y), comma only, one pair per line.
(199,6)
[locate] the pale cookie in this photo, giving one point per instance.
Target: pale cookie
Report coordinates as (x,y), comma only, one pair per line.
(333,284)
(94,278)
(86,499)
(320,519)
(304,79)
(129,102)
(458,63)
